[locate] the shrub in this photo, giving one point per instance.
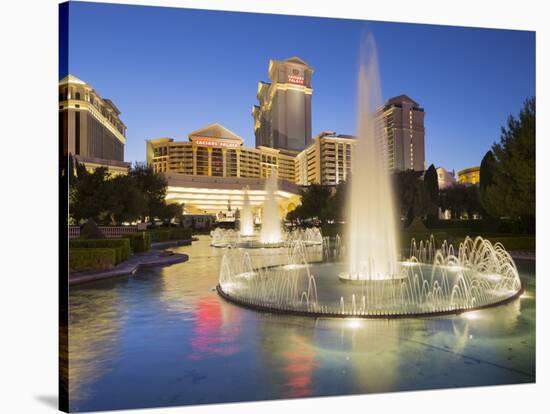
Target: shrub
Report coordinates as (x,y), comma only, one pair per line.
(511,243)
(121,246)
(139,242)
(82,259)
(174,233)
(180,233)
(89,230)
(331,230)
(159,235)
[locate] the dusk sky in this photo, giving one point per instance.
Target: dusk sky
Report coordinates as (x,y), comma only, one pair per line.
(171,71)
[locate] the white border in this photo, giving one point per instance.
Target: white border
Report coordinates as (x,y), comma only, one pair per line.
(29,202)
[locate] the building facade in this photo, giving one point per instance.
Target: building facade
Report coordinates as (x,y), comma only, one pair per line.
(218,195)
(208,173)
(469,176)
(445,179)
(215,151)
(282,118)
(90,126)
(401,124)
(327,161)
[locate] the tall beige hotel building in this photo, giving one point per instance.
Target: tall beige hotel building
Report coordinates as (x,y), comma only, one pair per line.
(282,119)
(401,124)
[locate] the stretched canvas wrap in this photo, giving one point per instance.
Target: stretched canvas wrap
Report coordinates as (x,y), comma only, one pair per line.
(261,207)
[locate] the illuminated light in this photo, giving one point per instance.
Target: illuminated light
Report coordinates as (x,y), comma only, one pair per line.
(493,277)
(526,295)
(472,316)
(454,268)
(246,275)
(294,266)
(353,323)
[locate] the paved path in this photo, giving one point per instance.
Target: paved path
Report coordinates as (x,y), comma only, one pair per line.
(146,259)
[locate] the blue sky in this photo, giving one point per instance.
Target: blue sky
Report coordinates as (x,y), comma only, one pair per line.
(171,71)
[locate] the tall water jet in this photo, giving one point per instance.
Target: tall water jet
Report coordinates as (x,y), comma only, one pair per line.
(246,222)
(372,229)
(271,224)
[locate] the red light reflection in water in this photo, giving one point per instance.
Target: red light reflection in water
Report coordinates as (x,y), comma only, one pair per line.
(299,366)
(214,332)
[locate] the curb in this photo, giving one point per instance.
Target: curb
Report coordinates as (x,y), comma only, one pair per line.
(318,315)
(128,268)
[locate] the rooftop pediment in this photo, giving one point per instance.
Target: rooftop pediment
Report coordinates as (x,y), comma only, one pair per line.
(215,131)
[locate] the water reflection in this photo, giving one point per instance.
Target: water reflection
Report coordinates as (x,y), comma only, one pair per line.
(95,319)
(288,354)
(214,330)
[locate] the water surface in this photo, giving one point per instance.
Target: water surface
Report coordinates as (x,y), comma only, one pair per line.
(163,337)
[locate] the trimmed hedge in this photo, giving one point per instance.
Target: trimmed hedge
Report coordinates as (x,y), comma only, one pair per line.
(511,243)
(139,242)
(171,233)
(82,259)
(121,246)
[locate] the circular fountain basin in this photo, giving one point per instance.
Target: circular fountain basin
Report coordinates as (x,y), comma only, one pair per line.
(257,244)
(421,290)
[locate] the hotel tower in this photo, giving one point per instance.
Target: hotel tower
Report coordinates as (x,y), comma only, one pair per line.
(90,127)
(401,124)
(282,119)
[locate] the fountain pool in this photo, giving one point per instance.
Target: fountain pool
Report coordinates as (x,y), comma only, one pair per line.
(477,276)
(163,337)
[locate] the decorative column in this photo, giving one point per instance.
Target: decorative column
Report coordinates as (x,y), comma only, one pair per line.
(209,149)
(337,146)
(345,162)
(224,163)
(194,159)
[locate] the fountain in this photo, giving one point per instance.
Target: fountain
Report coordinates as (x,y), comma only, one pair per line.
(246,222)
(270,233)
(435,279)
(233,238)
(371,230)
(479,275)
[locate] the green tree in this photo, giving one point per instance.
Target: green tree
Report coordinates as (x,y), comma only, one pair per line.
(411,196)
(337,203)
(314,202)
(511,190)
(153,187)
(169,211)
(460,200)
(431,187)
(431,184)
(124,200)
(88,196)
(486,171)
